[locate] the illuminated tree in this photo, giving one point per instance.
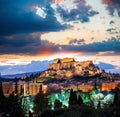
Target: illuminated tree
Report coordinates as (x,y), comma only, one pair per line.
(62,98)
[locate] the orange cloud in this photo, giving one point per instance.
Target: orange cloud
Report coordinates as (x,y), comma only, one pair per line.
(107,1)
(106,53)
(111,1)
(36,34)
(45,52)
(67,40)
(57,1)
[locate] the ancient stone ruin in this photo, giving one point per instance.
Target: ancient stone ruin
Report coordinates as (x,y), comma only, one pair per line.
(68,67)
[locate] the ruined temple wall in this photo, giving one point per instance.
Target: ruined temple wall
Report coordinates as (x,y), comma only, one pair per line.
(55,66)
(85,88)
(108,86)
(67,60)
(68,65)
(56,61)
(84,64)
(64,60)
(58,66)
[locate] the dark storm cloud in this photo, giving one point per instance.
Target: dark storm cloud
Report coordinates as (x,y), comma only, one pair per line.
(112,6)
(82,12)
(76,41)
(30,44)
(34,66)
(19,17)
(112,22)
(20,40)
(19,44)
(23,44)
(112,31)
(112,44)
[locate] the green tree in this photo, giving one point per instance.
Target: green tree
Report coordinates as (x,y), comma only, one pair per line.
(2,100)
(16,88)
(14,107)
(1,92)
(40,102)
(73,98)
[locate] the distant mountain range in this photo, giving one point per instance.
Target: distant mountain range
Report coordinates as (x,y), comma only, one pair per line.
(20,75)
(105,66)
(10,71)
(109,68)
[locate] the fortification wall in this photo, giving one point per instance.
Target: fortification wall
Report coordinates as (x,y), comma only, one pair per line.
(64,60)
(68,63)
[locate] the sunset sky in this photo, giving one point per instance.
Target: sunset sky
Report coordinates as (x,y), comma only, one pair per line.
(38,30)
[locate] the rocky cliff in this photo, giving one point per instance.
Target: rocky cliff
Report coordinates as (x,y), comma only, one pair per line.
(68,67)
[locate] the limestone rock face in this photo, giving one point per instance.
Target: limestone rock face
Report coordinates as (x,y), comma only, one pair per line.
(68,67)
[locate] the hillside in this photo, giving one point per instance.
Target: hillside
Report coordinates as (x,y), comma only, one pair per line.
(69,68)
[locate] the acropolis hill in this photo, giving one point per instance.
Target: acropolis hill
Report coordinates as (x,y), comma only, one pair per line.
(68,68)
